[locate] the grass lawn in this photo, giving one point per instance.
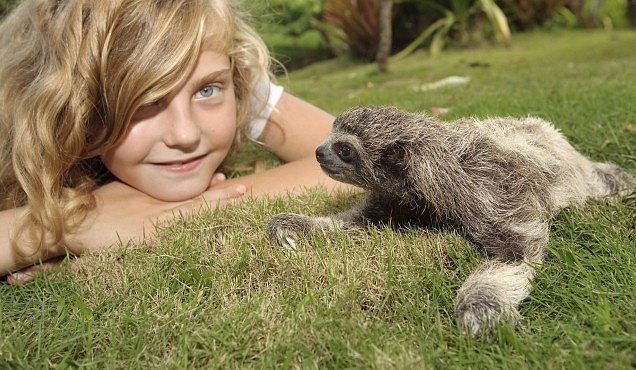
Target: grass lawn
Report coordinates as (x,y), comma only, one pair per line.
(211,292)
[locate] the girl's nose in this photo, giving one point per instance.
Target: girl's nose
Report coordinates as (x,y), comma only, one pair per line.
(182,130)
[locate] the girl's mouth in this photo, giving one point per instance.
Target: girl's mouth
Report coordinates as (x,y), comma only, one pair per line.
(184,165)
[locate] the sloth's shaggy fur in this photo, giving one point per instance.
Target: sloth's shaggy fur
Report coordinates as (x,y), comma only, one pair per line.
(499,180)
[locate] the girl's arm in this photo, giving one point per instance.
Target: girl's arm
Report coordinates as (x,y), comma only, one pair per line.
(296,128)
(293,132)
(122,214)
(9,260)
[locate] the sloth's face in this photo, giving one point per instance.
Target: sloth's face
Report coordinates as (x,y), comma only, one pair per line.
(346,158)
(341,157)
(364,149)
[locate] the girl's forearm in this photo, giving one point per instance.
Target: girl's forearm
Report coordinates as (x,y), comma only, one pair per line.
(10,260)
(293,177)
(124,213)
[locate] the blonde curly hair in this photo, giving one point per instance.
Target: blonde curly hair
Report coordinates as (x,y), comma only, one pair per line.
(72,75)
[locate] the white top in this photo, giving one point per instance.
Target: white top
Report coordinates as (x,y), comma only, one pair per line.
(269,93)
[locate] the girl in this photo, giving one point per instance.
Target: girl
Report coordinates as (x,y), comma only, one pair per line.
(115,114)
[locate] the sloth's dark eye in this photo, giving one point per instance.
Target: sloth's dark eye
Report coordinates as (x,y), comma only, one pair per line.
(345,152)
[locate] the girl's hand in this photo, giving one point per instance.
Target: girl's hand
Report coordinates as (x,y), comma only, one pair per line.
(217,179)
(124,214)
(28,273)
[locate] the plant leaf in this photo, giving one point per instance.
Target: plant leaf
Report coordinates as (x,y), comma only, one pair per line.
(498,21)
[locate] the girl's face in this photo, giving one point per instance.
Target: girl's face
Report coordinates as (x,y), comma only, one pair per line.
(173,148)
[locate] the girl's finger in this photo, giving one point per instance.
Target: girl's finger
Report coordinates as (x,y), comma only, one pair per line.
(216,196)
(225,192)
(217,179)
(27,274)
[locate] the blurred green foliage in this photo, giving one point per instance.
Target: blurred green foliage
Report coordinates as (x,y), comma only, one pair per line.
(524,15)
(348,26)
(295,15)
(298,32)
(616,11)
(6,6)
(354,24)
(288,28)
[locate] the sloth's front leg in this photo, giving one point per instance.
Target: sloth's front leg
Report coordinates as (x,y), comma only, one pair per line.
(285,229)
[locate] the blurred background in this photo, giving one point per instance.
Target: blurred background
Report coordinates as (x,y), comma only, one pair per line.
(300,32)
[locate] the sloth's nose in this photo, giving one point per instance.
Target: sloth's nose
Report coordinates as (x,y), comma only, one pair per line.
(320,153)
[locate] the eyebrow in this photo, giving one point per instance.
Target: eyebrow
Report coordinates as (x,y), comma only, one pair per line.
(211,76)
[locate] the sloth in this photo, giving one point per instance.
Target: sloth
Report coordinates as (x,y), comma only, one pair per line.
(498,180)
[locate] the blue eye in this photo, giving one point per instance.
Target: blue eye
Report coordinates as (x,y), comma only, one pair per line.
(207,91)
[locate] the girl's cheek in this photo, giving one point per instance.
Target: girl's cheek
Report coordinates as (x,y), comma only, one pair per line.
(138,142)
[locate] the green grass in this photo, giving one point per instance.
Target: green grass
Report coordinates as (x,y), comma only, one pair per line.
(211,292)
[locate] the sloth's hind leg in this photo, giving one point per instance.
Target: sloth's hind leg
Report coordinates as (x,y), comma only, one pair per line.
(492,293)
